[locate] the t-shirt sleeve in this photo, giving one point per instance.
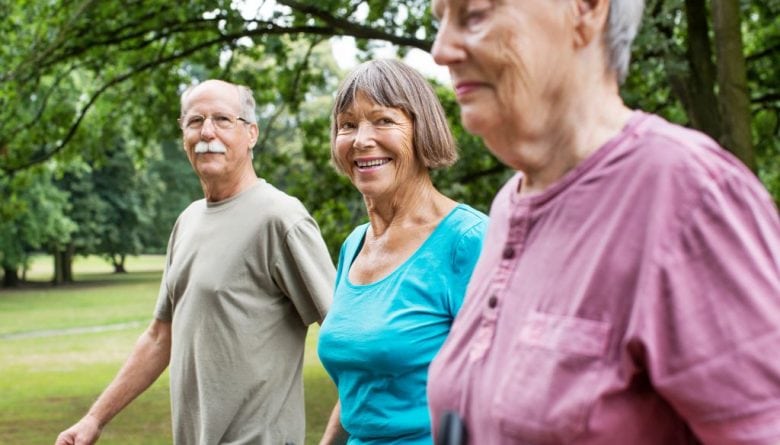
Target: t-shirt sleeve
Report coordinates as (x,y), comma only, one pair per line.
(163,310)
(465,256)
(715,317)
(304,271)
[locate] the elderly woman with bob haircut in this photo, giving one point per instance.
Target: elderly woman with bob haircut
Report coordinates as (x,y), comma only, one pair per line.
(402,276)
(629,289)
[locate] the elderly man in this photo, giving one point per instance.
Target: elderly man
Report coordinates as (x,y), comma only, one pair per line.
(246,272)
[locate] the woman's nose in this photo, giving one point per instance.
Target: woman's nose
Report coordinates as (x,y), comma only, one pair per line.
(447,48)
(364,136)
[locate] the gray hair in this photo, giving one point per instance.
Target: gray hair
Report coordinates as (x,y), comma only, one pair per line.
(245,97)
(393,84)
(622,26)
(248,105)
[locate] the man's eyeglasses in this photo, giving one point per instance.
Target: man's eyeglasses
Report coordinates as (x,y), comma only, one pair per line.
(221,121)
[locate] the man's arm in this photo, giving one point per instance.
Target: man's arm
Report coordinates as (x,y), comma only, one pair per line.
(334,434)
(148,360)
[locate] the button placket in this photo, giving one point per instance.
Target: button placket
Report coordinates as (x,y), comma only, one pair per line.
(515,241)
(483,337)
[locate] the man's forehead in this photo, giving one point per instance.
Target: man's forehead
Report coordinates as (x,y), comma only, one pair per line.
(214,87)
(212,91)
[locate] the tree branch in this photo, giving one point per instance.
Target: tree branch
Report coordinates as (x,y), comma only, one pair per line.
(161,32)
(136,35)
(766,98)
(345,27)
(62,36)
(764,52)
(44,102)
(47,154)
(280,109)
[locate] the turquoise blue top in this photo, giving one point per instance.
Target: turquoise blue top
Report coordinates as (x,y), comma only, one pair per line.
(377,340)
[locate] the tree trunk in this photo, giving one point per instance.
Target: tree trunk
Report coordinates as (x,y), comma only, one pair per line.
(70,251)
(699,98)
(11,277)
(63,264)
(119,263)
(58,268)
(732,81)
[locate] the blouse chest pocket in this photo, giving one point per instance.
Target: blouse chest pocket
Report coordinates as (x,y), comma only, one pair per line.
(552,378)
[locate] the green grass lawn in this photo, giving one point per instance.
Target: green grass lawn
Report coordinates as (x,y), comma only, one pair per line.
(51,369)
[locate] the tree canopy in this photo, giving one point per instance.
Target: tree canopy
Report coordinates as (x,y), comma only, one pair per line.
(89,98)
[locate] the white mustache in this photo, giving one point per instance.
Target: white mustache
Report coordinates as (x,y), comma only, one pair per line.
(210,147)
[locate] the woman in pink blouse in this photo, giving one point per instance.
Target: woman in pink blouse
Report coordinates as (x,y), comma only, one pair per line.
(628,291)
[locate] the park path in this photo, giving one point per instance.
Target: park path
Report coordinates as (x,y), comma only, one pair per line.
(71,331)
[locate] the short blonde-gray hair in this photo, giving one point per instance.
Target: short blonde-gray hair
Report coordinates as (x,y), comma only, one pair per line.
(393,84)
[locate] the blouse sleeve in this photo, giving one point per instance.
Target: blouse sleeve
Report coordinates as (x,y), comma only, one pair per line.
(714,317)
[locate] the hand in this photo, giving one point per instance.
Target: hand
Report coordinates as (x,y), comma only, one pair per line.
(85,432)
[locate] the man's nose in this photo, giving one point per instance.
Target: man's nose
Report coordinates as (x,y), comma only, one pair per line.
(208,131)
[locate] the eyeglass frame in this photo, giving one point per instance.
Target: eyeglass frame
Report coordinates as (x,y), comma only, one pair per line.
(234,122)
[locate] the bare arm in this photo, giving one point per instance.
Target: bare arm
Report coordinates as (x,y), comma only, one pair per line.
(334,434)
(147,361)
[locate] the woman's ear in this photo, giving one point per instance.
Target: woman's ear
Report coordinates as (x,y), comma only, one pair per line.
(590,20)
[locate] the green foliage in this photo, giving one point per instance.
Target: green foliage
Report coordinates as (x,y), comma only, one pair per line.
(662,61)
(82,55)
(89,91)
(762,48)
(177,186)
(767,132)
(32,216)
(130,194)
(113,204)
(658,53)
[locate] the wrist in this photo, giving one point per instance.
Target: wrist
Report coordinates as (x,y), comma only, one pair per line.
(95,419)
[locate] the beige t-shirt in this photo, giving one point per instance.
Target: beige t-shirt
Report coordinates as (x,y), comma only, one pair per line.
(243,280)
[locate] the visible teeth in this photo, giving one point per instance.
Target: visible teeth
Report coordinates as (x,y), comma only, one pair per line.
(372,163)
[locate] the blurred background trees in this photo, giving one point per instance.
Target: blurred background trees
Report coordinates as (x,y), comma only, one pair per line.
(90,156)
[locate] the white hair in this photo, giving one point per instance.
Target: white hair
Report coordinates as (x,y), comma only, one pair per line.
(245,97)
(247,100)
(622,26)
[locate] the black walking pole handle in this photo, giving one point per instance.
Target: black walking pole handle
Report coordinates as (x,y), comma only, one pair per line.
(452,430)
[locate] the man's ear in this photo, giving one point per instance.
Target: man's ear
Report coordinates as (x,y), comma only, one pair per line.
(590,20)
(253,134)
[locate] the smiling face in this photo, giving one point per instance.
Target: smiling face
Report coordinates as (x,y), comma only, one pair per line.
(509,62)
(217,154)
(374,146)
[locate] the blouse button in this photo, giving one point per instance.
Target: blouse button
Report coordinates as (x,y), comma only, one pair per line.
(492,301)
(509,252)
